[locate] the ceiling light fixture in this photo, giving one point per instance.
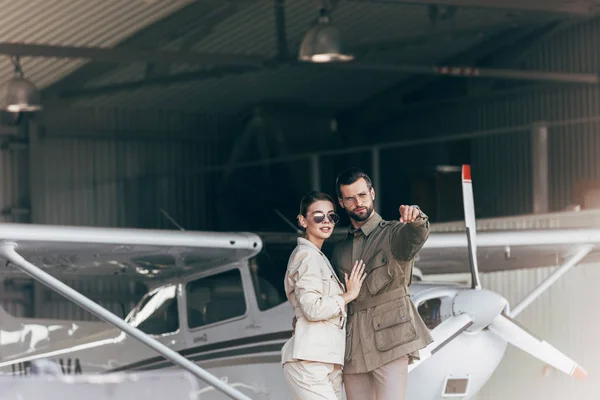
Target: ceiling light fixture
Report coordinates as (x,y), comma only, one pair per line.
(323,43)
(18,94)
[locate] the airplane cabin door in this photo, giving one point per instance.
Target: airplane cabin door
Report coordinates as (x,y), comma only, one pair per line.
(219,339)
(215,308)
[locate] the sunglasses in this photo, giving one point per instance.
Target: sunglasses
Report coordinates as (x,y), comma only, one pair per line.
(320,217)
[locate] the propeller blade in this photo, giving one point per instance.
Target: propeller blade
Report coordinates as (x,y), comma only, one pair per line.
(470,224)
(442,335)
(509,330)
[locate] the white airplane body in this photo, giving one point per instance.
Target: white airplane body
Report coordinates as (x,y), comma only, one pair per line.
(217,312)
(246,351)
(20,335)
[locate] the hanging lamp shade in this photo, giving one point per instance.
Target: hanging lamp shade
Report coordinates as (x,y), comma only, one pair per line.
(323,43)
(19,95)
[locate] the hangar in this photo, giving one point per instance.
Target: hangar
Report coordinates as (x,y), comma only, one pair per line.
(203,115)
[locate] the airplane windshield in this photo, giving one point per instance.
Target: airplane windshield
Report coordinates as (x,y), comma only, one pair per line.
(157,312)
(268,272)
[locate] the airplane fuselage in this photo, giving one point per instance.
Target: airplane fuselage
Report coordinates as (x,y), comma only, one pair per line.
(245,350)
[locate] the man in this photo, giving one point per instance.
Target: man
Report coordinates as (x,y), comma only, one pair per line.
(384,331)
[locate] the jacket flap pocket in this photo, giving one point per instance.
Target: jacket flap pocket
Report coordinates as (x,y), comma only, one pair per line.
(390,318)
(391,328)
(379,260)
(379,275)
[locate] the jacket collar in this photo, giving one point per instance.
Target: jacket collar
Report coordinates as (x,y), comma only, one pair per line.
(369,226)
(305,242)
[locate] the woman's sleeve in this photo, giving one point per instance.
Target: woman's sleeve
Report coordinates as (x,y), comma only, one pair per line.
(309,290)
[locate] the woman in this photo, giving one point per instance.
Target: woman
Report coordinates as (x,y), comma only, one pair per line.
(313,357)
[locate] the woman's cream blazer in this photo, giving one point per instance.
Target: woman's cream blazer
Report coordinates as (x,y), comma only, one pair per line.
(314,290)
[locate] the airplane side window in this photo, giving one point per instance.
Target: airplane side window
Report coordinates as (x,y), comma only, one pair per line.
(215,298)
(430,313)
(268,272)
(157,312)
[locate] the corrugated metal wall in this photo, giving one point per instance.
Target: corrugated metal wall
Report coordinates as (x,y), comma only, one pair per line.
(116,295)
(572,111)
(566,317)
(573,158)
(107,168)
(14,177)
(23,297)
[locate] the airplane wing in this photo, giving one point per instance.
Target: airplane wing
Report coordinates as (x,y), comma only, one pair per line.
(151,253)
(504,250)
(65,250)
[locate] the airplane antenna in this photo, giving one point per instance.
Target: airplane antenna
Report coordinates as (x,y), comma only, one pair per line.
(172,220)
(287,221)
(470,224)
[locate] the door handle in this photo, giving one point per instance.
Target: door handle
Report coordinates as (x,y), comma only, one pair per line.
(201,338)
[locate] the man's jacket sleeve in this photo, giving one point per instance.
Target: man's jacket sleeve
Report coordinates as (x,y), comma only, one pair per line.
(407,239)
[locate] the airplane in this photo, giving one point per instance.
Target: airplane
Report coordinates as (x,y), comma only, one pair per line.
(218,309)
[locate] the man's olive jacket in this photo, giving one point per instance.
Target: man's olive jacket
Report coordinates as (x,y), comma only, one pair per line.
(383,323)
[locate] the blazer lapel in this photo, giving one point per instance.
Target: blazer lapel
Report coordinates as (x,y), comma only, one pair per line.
(306,242)
(333,271)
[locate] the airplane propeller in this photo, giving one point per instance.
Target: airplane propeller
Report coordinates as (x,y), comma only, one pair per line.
(476,309)
(501,324)
(470,224)
(509,330)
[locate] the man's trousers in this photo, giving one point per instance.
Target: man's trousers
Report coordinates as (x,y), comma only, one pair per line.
(387,382)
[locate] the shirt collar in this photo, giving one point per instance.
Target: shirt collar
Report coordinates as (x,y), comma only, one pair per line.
(369,226)
(306,242)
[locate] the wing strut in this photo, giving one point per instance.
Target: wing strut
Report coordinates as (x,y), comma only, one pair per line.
(583,251)
(8,252)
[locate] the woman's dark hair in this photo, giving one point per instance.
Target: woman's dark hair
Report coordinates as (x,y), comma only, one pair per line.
(313,197)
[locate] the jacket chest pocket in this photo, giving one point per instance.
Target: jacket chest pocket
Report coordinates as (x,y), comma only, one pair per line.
(329,285)
(379,273)
(392,324)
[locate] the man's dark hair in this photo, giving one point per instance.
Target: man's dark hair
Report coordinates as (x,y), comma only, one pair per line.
(348,177)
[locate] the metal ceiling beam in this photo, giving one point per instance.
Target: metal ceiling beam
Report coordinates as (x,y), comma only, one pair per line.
(124,55)
(462,71)
(155,81)
(493,51)
(377,107)
(167,29)
(579,8)
(395,94)
(362,67)
(410,42)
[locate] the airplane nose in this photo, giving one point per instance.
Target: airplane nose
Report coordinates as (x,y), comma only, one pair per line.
(482,306)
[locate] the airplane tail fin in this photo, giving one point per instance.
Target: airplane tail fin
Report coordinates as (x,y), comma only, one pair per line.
(470,224)
(509,330)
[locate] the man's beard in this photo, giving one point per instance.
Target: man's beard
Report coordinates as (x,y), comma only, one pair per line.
(361,218)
